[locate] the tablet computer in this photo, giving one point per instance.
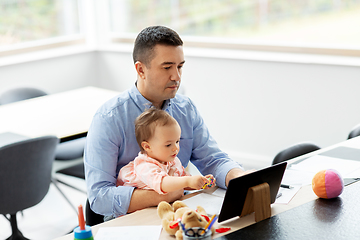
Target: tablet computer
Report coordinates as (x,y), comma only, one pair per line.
(238,187)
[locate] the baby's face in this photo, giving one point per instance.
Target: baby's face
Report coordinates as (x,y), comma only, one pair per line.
(164,145)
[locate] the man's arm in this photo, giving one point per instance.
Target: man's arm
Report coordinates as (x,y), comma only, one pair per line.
(234,173)
(152,198)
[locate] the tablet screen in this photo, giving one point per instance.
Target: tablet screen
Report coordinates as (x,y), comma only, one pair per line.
(238,187)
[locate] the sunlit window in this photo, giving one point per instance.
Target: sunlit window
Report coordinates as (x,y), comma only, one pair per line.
(294,22)
(30,20)
(331,24)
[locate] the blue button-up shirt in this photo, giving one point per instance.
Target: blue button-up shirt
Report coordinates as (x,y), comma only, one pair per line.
(111,144)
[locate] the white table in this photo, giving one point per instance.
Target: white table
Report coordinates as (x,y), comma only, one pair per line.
(62,114)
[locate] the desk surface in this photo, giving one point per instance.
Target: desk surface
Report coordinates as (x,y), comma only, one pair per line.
(304,198)
(62,114)
(336,219)
(318,210)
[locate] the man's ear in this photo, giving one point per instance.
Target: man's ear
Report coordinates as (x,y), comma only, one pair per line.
(140,69)
(146,146)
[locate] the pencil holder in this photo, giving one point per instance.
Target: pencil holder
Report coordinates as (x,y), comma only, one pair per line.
(193,234)
(83,234)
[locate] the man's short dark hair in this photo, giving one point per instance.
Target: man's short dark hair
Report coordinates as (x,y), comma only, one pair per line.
(149,37)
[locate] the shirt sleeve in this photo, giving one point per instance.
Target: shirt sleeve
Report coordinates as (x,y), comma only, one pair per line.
(100,161)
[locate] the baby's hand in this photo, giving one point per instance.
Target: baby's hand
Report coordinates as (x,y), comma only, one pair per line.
(210,182)
(197,182)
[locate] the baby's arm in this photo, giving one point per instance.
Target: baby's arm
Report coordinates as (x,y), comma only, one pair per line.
(169,183)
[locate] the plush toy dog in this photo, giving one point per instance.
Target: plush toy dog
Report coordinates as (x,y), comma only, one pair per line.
(170,216)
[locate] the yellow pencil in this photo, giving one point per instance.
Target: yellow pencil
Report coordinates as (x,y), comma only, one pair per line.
(207,225)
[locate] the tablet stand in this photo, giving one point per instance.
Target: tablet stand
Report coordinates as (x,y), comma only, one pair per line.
(258,200)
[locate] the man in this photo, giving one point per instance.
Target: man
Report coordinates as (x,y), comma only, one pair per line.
(111,143)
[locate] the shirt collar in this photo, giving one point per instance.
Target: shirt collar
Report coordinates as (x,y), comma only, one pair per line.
(167,104)
(142,103)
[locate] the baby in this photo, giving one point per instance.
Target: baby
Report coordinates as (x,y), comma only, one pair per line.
(157,166)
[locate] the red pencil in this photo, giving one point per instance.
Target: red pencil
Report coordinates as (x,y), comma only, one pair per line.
(81,218)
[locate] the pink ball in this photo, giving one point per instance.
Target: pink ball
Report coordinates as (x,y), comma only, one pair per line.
(327,184)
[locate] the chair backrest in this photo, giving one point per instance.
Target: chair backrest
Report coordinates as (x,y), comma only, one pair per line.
(76,170)
(295,150)
(19,94)
(25,172)
(354,132)
(70,150)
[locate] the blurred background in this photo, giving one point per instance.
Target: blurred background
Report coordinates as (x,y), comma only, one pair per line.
(265,74)
(271,21)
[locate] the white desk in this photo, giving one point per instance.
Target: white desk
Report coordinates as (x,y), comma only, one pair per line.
(62,114)
(149,216)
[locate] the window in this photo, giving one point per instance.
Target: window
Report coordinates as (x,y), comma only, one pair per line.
(27,21)
(306,26)
(255,24)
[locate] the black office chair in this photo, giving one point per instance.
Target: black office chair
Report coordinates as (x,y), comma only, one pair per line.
(70,149)
(19,94)
(78,171)
(75,171)
(25,176)
(354,132)
(294,151)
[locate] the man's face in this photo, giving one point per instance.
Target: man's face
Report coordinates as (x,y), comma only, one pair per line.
(162,77)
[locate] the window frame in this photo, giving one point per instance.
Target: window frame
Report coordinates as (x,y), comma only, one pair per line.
(233,44)
(40,45)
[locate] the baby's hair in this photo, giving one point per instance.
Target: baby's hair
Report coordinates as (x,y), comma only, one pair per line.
(146,123)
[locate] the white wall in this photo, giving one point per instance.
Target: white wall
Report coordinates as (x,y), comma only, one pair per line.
(262,107)
(253,108)
(53,75)
(115,70)
(256,108)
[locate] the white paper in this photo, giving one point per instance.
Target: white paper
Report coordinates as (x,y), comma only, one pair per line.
(287,194)
(211,203)
(129,233)
(318,162)
(352,144)
(297,177)
(353,174)
(219,192)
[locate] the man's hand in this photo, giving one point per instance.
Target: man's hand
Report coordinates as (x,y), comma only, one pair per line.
(142,198)
(236,172)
